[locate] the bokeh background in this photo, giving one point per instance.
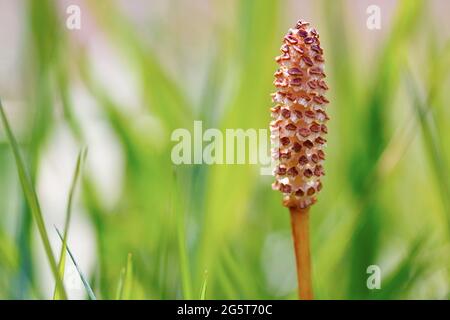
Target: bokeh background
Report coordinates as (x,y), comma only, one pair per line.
(136,70)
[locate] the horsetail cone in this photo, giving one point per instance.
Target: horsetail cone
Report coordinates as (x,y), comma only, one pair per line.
(298,125)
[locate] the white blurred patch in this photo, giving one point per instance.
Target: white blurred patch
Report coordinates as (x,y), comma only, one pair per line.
(279,264)
(12,40)
(120,79)
(117,77)
(105,162)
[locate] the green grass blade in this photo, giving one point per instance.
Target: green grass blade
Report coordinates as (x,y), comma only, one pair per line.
(128,279)
(61,269)
(432,141)
(184,260)
(119,292)
(83,278)
(183,254)
(62,256)
(204,286)
(32,201)
(124,288)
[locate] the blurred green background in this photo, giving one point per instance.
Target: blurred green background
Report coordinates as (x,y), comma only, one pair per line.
(137,70)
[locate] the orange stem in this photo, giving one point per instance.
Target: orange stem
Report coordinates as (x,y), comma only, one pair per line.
(300,235)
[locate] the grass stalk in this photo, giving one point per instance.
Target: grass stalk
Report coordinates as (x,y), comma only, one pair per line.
(62,255)
(88,288)
(33,202)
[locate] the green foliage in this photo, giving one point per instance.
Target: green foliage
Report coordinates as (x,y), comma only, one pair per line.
(386,194)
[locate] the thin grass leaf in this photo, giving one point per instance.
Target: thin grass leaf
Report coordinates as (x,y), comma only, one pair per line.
(204,286)
(432,141)
(124,288)
(184,261)
(183,256)
(128,279)
(83,278)
(62,256)
(33,202)
(119,292)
